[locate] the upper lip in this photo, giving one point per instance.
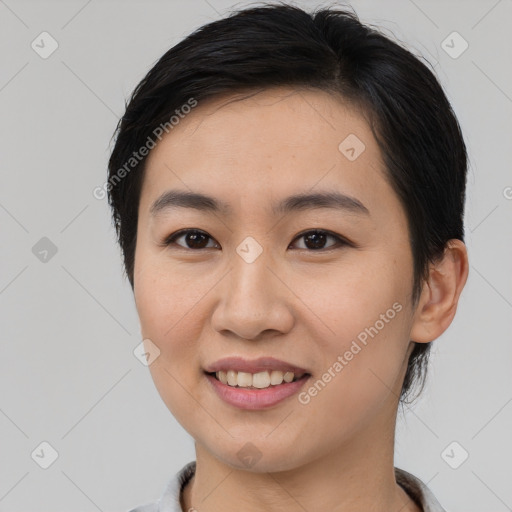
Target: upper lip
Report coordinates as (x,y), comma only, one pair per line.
(254,365)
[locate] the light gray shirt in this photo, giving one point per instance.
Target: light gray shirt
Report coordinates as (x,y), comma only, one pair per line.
(170,499)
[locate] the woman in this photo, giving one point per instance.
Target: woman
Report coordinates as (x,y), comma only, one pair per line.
(288,192)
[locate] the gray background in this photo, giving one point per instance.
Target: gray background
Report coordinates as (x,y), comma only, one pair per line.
(69,327)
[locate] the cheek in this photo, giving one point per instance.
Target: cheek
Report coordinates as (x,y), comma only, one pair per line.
(366,312)
(164,295)
(168,306)
(166,310)
(352,296)
(172,307)
(362,372)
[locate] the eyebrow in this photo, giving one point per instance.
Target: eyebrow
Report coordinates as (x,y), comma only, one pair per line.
(173,199)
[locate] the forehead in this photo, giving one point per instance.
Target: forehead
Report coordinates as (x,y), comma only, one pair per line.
(268,144)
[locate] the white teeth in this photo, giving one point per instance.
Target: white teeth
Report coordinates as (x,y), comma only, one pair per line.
(244,379)
(258,380)
(288,376)
(261,380)
(276,377)
(231,378)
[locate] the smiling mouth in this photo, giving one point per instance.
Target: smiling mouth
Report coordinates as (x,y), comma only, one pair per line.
(260,380)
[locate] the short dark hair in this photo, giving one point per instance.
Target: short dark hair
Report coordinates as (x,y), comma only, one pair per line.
(328,49)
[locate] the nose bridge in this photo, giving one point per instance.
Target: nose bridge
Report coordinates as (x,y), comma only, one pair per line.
(250,276)
(253,298)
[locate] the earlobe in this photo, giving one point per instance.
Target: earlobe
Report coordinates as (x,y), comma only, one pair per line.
(440,294)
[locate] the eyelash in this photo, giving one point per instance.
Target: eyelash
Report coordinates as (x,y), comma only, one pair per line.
(341,242)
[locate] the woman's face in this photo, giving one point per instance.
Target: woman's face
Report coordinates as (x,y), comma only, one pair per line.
(255,282)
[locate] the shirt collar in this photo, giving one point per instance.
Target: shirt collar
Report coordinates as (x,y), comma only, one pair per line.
(412,485)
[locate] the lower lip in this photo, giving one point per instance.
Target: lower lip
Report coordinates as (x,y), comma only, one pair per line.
(250,398)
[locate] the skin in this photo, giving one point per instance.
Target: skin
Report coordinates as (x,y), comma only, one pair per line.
(295,303)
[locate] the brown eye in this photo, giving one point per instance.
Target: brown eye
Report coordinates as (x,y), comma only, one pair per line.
(315,240)
(193,239)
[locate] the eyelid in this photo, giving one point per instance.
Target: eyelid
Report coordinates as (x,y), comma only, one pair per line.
(173,236)
(341,240)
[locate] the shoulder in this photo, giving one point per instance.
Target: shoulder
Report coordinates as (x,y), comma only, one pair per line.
(169,501)
(418,491)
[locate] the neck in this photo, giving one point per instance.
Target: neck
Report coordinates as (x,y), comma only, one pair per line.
(358,476)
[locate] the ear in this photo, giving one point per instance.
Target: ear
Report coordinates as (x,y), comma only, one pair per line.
(440,293)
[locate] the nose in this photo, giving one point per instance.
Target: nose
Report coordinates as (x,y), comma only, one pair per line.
(253,299)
